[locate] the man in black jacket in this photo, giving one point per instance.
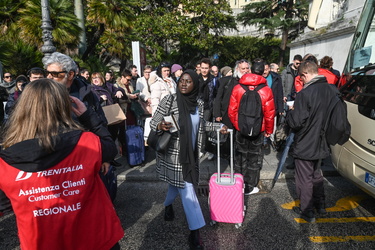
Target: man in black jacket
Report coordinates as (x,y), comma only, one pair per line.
(275,83)
(62,69)
(306,119)
(226,84)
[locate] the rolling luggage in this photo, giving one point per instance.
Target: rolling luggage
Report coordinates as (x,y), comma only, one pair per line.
(226,197)
(135,145)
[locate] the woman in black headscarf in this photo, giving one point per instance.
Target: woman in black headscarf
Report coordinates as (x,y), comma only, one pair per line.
(179,166)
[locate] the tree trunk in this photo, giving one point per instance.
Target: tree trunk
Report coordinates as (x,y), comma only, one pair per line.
(94,41)
(78,11)
(284,40)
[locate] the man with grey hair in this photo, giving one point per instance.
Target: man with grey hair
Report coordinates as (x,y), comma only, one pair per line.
(274,68)
(226,84)
(62,69)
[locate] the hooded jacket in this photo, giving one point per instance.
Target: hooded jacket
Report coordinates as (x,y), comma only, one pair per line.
(268,104)
(58,197)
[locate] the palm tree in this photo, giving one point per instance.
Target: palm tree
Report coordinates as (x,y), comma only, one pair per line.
(64,22)
(108,22)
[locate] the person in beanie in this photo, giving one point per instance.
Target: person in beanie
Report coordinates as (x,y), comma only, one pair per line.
(176,71)
(226,71)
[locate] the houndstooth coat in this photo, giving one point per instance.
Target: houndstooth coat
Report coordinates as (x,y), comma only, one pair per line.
(168,164)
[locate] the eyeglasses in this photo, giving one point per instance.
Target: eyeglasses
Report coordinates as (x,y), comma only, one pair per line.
(55,74)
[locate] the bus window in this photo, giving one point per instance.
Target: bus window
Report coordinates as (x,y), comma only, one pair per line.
(361,91)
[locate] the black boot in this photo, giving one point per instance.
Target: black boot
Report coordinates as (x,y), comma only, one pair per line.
(169,213)
(195,240)
(320,207)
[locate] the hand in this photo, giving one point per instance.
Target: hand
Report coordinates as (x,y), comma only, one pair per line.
(169,82)
(266,134)
(285,98)
(119,94)
(224,130)
(218,119)
(104,97)
(165,126)
(149,101)
(78,107)
(133,96)
(105,167)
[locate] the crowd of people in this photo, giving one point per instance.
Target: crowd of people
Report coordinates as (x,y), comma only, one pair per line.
(62,108)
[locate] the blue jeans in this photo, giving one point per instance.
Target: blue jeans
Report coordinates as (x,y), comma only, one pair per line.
(190,203)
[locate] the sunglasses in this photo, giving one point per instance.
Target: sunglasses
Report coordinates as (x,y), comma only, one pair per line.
(242,61)
(55,74)
(7,76)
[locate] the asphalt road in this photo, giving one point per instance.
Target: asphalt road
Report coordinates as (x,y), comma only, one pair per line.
(269,222)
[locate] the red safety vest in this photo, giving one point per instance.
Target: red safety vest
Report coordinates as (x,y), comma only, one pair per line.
(66,206)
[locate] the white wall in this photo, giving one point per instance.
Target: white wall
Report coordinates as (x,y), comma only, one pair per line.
(334,39)
(337,48)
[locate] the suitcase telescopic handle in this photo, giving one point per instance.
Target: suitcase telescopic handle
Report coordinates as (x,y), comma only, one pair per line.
(231,156)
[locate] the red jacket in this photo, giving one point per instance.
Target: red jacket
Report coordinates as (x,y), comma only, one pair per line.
(268,104)
(66,206)
(331,79)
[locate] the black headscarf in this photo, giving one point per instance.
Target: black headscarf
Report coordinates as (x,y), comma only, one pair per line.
(187,104)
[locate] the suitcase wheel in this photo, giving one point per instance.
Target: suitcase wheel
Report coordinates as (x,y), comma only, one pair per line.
(238,225)
(213,223)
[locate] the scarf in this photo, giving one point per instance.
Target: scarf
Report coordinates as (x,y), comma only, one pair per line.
(187,104)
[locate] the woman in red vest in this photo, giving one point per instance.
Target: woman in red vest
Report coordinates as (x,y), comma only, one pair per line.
(50,172)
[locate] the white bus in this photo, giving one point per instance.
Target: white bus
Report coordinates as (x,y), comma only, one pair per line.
(355,160)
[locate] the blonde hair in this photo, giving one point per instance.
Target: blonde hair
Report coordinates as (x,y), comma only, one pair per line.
(97,74)
(43,111)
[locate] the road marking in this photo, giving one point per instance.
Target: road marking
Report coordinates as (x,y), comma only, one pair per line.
(290,205)
(326,239)
(344,204)
(338,220)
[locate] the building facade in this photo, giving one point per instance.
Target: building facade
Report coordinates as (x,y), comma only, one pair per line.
(332,31)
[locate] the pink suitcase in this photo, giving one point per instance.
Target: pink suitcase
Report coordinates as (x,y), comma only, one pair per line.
(226,197)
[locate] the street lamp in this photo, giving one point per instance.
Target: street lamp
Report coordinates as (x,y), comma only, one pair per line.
(47,47)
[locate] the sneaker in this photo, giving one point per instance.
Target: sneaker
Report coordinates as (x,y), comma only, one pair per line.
(307,216)
(249,190)
(210,156)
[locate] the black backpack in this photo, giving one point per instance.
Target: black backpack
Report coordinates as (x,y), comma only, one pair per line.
(337,128)
(250,112)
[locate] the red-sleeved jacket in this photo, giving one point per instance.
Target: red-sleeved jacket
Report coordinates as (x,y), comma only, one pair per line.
(268,104)
(331,79)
